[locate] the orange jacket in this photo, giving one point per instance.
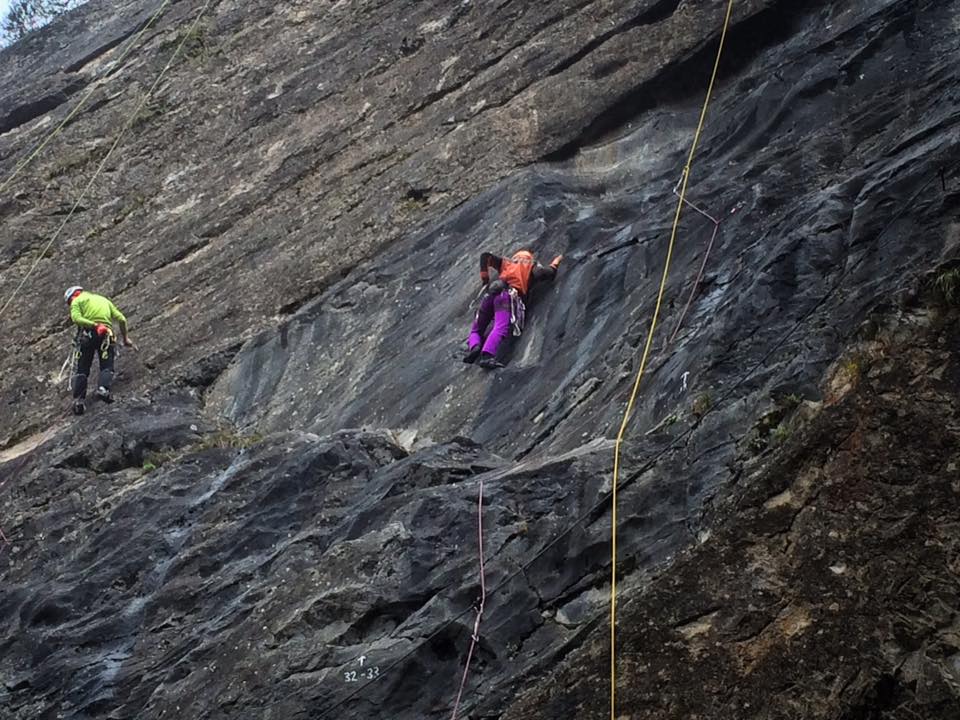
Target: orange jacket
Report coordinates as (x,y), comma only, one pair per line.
(520,272)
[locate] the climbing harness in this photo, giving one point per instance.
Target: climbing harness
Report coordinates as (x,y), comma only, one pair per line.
(76,351)
(685,178)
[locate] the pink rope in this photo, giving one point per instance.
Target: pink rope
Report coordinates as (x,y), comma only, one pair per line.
(696,285)
(708,216)
(703,265)
(2,536)
(475,638)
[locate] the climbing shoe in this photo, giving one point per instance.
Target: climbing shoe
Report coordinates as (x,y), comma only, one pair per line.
(490,362)
(78,407)
(471,355)
(104,394)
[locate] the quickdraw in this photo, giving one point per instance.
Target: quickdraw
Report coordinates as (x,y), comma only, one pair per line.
(518,312)
(105,344)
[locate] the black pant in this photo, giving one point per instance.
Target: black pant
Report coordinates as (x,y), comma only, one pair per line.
(88,345)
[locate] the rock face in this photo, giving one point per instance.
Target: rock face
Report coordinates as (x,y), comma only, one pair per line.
(225,578)
(280,518)
(261,173)
(832,589)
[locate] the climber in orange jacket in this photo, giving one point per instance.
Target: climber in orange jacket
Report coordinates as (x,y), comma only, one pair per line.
(503,302)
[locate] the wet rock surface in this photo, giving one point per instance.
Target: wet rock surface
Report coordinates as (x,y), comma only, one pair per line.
(279,519)
(187,571)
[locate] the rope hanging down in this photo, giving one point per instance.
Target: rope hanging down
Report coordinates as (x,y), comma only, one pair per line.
(123,130)
(703,264)
(643,364)
(83,101)
(475,638)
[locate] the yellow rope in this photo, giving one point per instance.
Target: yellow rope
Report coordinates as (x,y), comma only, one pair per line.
(83,101)
(643,365)
(133,116)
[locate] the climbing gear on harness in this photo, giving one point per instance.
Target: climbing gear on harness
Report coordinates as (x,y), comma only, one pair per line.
(518,313)
(101,329)
(71,291)
(106,339)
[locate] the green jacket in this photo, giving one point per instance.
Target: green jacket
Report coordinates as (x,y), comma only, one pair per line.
(89,309)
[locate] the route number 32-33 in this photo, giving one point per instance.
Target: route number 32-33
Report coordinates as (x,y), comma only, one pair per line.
(357,675)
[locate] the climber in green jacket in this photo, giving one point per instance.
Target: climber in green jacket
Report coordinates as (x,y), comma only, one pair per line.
(94,316)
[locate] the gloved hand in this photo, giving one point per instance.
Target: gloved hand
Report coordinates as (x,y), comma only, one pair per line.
(496,287)
(555,263)
(101,329)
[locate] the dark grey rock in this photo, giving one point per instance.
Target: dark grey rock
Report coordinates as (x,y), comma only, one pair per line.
(293,228)
(259,576)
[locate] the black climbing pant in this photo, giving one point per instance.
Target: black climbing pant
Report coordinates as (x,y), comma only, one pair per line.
(90,345)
